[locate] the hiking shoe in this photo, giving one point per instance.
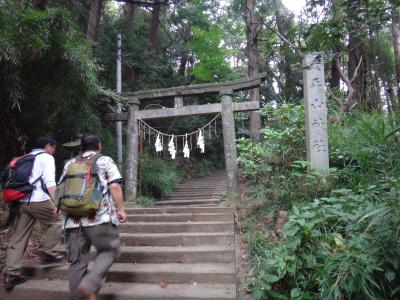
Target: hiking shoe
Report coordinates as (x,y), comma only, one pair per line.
(47,259)
(12,280)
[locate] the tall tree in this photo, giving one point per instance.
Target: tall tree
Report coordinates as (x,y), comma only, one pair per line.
(357,63)
(284,24)
(155,19)
(253,68)
(129,9)
(185,55)
(334,81)
(39,4)
(94,20)
(396,45)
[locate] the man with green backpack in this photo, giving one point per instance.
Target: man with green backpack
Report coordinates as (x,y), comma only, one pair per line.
(90,196)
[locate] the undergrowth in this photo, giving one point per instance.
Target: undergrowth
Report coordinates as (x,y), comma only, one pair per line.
(341,237)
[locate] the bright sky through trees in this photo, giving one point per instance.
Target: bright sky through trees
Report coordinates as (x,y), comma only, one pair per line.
(294,5)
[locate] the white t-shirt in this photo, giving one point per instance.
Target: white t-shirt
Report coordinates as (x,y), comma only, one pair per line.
(45,168)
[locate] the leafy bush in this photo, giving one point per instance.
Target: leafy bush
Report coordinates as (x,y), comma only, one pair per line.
(284,132)
(203,167)
(341,239)
(158,177)
(365,149)
(145,201)
(275,167)
(342,247)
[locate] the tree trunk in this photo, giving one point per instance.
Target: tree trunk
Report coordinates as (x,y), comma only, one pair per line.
(18,2)
(334,81)
(289,89)
(357,61)
(252,49)
(186,38)
(38,4)
(396,47)
(390,97)
(154,25)
(374,99)
(94,20)
(356,67)
(129,73)
(129,10)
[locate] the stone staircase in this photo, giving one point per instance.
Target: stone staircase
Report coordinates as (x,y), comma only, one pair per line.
(183,249)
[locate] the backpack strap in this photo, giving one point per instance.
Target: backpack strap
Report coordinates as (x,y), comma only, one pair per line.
(37,179)
(40,177)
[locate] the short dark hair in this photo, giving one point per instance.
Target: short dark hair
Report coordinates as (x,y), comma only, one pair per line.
(42,141)
(90,141)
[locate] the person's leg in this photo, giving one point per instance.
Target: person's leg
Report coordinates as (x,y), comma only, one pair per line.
(44,213)
(105,238)
(78,253)
(21,232)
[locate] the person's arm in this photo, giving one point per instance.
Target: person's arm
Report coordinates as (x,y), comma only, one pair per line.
(116,193)
(49,175)
(52,191)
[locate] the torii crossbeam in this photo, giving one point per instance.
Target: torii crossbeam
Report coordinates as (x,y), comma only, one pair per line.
(226,108)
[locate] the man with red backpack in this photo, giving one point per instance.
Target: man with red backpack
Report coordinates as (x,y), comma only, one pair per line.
(36,204)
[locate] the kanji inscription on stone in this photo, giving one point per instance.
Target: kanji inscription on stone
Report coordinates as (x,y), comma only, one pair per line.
(315,111)
(319,123)
(318,104)
(320,146)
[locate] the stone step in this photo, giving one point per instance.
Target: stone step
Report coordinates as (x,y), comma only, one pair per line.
(58,289)
(192,198)
(153,227)
(194,217)
(169,254)
(188,202)
(150,273)
(196,195)
(177,239)
(208,186)
(216,182)
(177,210)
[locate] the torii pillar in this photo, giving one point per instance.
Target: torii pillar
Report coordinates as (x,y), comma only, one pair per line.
(228,129)
(132,153)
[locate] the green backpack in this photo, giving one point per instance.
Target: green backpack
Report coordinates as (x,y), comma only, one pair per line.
(80,191)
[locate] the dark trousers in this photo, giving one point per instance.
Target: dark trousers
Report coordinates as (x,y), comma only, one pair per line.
(105,239)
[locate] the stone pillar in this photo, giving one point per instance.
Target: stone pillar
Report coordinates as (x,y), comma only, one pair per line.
(228,123)
(132,155)
(315,111)
(178,101)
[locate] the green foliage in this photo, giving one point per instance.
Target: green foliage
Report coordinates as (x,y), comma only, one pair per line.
(275,167)
(49,78)
(211,58)
(284,131)
(158,177)
(203,167)
(365,150)
(145,201)
(342,247)
(341,239)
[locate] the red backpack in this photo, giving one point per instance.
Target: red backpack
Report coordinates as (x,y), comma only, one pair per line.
(15,179)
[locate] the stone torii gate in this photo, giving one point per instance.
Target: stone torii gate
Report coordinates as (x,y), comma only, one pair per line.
(227,108)
(314,105)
